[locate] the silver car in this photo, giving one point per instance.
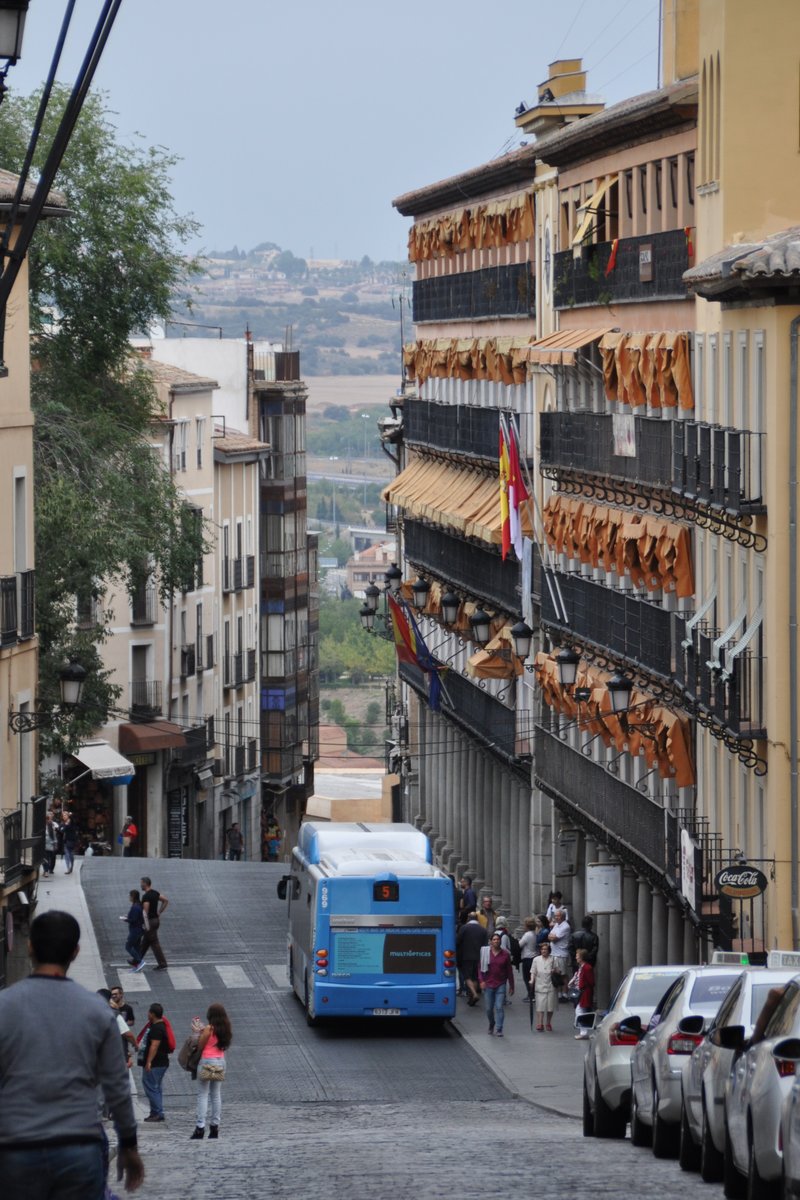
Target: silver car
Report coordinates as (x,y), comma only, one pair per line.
(790,1138)
(758,1085)
(677,1027)
(607,1065)
(702,1140)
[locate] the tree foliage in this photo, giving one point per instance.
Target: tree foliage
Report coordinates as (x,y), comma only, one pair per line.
(99,275)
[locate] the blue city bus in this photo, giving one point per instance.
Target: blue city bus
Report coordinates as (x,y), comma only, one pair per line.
(371,923)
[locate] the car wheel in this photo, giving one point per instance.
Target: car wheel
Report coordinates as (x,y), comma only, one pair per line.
(758,1188)
(607,1122)
(733,1183)
(640,1134)
(710,1157)
(689,1152)
(588,1118)
(665,1142)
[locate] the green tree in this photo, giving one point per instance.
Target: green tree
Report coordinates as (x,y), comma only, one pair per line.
(104,272)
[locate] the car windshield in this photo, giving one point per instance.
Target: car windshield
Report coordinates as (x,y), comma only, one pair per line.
(710,990)
(647,989)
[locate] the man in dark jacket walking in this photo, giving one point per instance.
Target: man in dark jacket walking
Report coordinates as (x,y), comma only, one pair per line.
(586,939)
(469,940)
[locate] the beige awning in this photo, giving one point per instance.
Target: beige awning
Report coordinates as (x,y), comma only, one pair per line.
(461,498)
(559,349)
(589,209)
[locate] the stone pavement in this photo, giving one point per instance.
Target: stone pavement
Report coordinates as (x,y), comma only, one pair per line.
(542,1068)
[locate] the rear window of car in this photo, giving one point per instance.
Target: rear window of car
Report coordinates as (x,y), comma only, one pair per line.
(710,990)
(646,990)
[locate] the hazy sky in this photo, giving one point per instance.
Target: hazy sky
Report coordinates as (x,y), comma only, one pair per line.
(299,122)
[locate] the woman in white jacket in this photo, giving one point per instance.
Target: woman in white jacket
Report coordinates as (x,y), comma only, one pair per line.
(543,991)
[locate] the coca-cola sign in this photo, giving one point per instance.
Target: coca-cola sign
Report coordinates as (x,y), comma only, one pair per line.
(740,882)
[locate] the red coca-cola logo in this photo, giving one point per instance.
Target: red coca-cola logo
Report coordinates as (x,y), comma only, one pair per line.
(740,882)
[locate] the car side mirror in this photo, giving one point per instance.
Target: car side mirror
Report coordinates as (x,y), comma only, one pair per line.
(691,1024)
(282,887)
(587,1020)
(728,1037)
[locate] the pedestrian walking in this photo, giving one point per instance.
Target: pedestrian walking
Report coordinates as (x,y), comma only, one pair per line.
(214,1040)
(71,838)
(470,940)
(129,835)
(135,919)
(235,843)
(153,905)
(544,994)
(52,1141)
(584,980)
(528,949)
(469,899)
(154,1059)
(50,846)
(496,977)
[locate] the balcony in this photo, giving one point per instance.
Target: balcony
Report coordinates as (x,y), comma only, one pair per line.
(23,839)
(457,428)
(239,760)
(249,666)
(276,366)
(627,819)
(472,708)
(8,610)
(27,604)
(731,691)
(583,281)
(144,604)
(146,697)
(717,467)
(244,572)
(238,669)
(477,571)
(252,754)
(508,291)
(187,667)
(196,749)
(618,622)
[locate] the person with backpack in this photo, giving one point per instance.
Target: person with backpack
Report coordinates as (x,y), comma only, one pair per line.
(156,1043)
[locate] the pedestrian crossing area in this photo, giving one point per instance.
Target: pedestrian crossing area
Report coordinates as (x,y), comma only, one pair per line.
(184,977)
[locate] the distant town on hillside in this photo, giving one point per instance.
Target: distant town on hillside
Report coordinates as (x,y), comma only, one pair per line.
(343,316)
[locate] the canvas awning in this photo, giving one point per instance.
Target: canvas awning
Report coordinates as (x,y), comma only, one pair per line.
(460,498)
(559,349)
(104,762)
(155,735)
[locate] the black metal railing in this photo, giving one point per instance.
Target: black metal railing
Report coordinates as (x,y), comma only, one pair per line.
(252,754)
(474,709)
(240,760)
(8,610)
(23,838)
(717,466)
(583,787)
(583,280)
(470,568)
(227,575)
(728,688)
(211,738)
(244,572)
(625,625)
(196,748)
(27,604)
(143,604)
(508,291)
(460,428)
(250,665)
(187,661)
(146,696)
(238,668)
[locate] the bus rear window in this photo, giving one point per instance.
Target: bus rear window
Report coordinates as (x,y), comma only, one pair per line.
(383,952)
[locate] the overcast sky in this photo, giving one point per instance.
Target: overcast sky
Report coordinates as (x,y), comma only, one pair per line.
(299,122)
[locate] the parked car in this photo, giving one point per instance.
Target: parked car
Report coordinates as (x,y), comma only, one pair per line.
(758,1085)
(676,1027)
(607,1065)
(702,1136)
(790,1138)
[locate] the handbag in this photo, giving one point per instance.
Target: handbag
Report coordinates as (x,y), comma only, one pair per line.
(573,994)
(557,979)
(189,1053)
(211,1072)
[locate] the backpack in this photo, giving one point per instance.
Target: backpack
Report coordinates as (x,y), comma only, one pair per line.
(171,1043)
(515,950)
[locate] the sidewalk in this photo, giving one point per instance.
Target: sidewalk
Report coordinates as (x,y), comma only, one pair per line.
(543,1068)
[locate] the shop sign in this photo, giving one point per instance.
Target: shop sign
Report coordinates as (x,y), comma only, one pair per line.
(740,882)
(142,760)
(691,870)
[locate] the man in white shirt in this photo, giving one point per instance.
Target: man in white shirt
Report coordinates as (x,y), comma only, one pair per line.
(558,938)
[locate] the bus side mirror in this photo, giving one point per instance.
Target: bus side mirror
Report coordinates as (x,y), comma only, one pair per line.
(282,887)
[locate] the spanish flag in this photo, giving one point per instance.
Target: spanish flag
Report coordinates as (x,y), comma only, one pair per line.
(505,477)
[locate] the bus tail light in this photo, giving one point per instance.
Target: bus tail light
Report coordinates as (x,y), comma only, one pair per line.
(683,1043)
(321,964)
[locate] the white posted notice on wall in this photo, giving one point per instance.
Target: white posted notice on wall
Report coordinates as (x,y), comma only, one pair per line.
(603,887)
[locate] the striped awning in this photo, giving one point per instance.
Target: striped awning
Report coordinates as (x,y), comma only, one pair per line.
(559,349)
(465,499)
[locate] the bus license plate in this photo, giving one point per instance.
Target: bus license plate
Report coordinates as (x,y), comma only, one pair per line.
(386,1012)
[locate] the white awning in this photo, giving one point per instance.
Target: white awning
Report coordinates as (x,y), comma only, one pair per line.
(104,762)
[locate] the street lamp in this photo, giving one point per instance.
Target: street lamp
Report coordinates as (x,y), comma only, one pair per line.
(12,27)
(481,625)
(419,593)
(522,636)
(450,606)
(567,662)
(393,579)
(367,616)
(371,595)
(72,677)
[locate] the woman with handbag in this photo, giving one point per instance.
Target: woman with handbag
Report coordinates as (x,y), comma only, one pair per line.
(543,991)
(214,1040)
(583,983)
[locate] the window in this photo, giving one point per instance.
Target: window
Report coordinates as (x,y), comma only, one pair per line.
(180,440)
(643,190)
(200,436)
(690,178)
(629,194)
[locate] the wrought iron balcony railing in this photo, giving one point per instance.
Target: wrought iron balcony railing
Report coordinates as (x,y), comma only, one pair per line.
(583,281)
(146,696)
(629,820)
(244,572)
(8,610)
(473,709)
(730,689)
(252,754)
(458,428)
(196,748)
(27,604)
(144,604)
(188,661)
(468,567)
(508,291)
(23,838)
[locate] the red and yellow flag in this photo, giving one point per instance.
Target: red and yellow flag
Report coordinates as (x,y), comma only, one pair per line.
(505,477)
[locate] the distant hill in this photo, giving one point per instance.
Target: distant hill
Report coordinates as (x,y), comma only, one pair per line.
(343,316)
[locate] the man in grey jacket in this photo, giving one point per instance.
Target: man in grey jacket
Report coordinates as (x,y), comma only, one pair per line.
(58,1044)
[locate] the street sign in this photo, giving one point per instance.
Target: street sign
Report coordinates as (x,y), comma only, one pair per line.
(740,882)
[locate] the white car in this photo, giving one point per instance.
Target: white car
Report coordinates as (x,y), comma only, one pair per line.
(607,1065)
(702,1141)
(758,1085)
(790,1138)
(677,1026)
